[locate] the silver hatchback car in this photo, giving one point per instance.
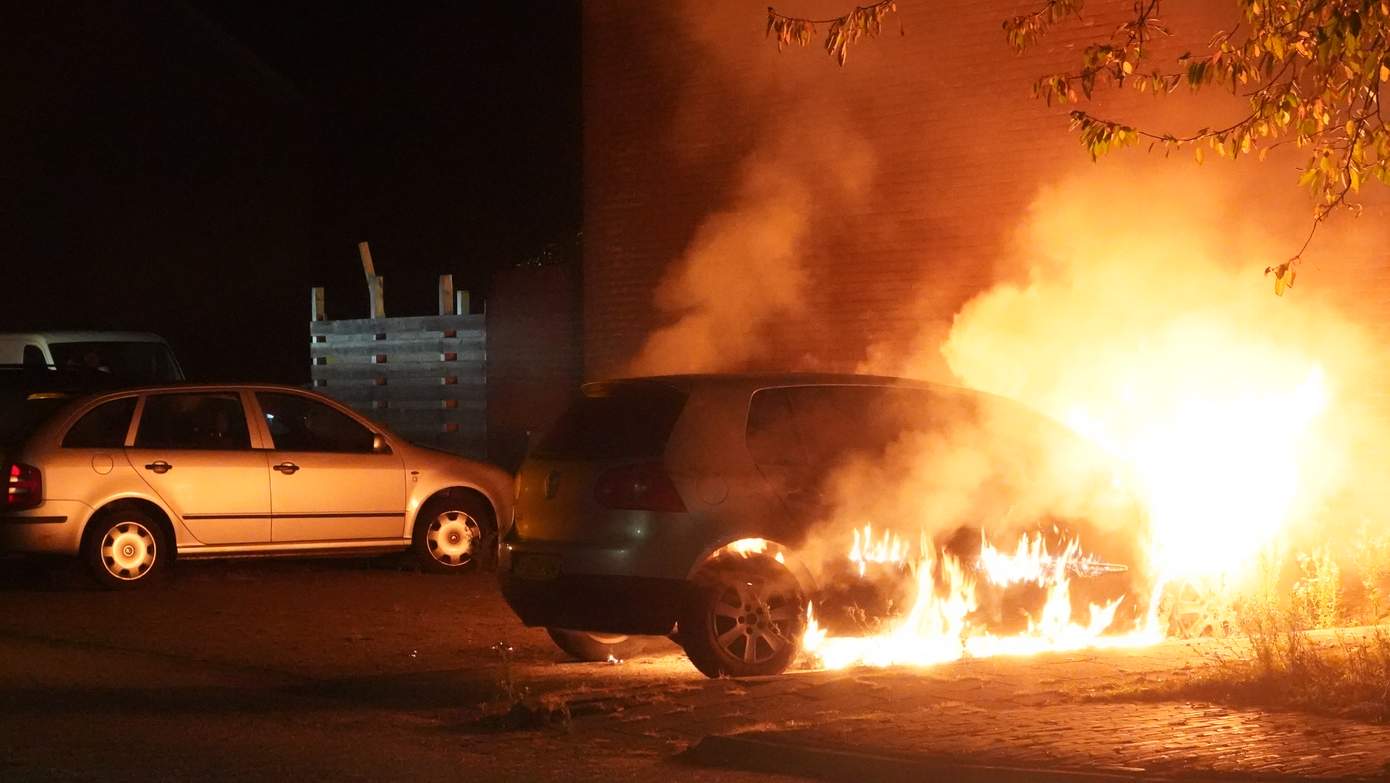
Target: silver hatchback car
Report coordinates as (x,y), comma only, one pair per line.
(127,480)
(681,502)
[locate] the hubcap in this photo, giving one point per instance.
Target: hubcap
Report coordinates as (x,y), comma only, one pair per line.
(451,538)
(754,621)
(128,550)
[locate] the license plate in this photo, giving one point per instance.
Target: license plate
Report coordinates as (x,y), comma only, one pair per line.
(538,567)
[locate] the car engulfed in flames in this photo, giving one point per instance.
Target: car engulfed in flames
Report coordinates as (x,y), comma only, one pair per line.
(1218,485)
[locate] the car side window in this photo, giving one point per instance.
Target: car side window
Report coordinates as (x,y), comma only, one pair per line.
(103,427)
(301,424)
(202,420)
(772,436)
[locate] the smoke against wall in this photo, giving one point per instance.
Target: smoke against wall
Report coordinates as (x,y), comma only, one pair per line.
(743,269)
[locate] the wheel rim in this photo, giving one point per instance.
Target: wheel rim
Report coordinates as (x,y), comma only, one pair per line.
(451,538)
(753,621)
(128,551)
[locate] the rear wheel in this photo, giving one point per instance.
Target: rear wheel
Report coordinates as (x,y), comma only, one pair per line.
(452,533)
(126,547)
(586,646)
(744,618)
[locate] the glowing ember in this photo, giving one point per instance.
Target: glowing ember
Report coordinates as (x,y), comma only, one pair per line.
(747,546)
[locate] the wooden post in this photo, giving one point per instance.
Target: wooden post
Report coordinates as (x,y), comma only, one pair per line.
(376,301)
(461,304)
(446,294)
(316,311)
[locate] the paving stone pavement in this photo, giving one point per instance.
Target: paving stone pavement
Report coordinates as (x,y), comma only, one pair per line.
(1030,713)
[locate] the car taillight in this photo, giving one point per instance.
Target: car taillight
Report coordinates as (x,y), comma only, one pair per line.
(644,487)
(23,487)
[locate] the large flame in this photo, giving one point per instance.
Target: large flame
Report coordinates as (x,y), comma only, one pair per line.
(938,627)
(1243,422)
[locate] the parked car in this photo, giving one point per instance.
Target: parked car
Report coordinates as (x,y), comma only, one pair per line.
(631,511)
(127,358)
(129,480)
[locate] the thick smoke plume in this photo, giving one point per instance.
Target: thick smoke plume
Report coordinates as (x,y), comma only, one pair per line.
(744,267)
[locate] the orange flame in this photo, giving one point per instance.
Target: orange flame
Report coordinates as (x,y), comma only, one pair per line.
(937,629)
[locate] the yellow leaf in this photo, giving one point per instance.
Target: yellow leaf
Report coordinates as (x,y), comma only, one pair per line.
(1197,151)
(1385,73)
(1128,67)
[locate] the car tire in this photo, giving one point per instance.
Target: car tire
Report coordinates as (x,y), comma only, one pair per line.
(744,618)
(126,547)
(591,647)
(453,532)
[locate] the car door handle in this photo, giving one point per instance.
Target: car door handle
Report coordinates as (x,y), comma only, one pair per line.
(159,466)
(287,467)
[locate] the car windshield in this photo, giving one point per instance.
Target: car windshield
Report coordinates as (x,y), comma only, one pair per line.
(615,421)
(131,362)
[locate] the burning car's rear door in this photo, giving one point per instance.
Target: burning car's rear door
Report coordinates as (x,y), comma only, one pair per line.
(800,436)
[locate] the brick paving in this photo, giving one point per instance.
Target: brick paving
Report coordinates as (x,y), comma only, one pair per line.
(1009,713)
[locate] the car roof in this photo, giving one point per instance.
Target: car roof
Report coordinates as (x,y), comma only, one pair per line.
(204,385)
(80,398)
(756,380)
(75,336)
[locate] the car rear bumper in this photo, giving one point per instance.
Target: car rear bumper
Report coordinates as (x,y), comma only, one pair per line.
(53,528)
(608,604)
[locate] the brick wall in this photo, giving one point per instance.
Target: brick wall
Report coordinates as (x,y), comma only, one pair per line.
(533,363)
(676,95)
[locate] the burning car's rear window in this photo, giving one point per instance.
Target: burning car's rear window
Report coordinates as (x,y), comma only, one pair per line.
(615,421)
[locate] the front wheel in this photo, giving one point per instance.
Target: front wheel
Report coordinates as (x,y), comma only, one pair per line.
(596,647)
(126,547)
(452,533)
(744,618)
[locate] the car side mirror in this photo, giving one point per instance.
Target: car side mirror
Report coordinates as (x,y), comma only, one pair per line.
(379,445)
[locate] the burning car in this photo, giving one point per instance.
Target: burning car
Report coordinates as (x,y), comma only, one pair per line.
(717,507)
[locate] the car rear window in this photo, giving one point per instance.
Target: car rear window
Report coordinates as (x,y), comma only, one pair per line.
(615,421)
(21,415)
(103,427)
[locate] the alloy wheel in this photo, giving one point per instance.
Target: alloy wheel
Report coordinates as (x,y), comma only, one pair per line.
(753,621)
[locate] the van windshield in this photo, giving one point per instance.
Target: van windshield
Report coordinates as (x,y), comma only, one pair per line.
(615,421)
(130,362)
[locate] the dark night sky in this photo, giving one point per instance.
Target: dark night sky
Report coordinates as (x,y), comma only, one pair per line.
(192,167)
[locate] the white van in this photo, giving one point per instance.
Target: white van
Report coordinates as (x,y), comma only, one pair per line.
(131,357)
